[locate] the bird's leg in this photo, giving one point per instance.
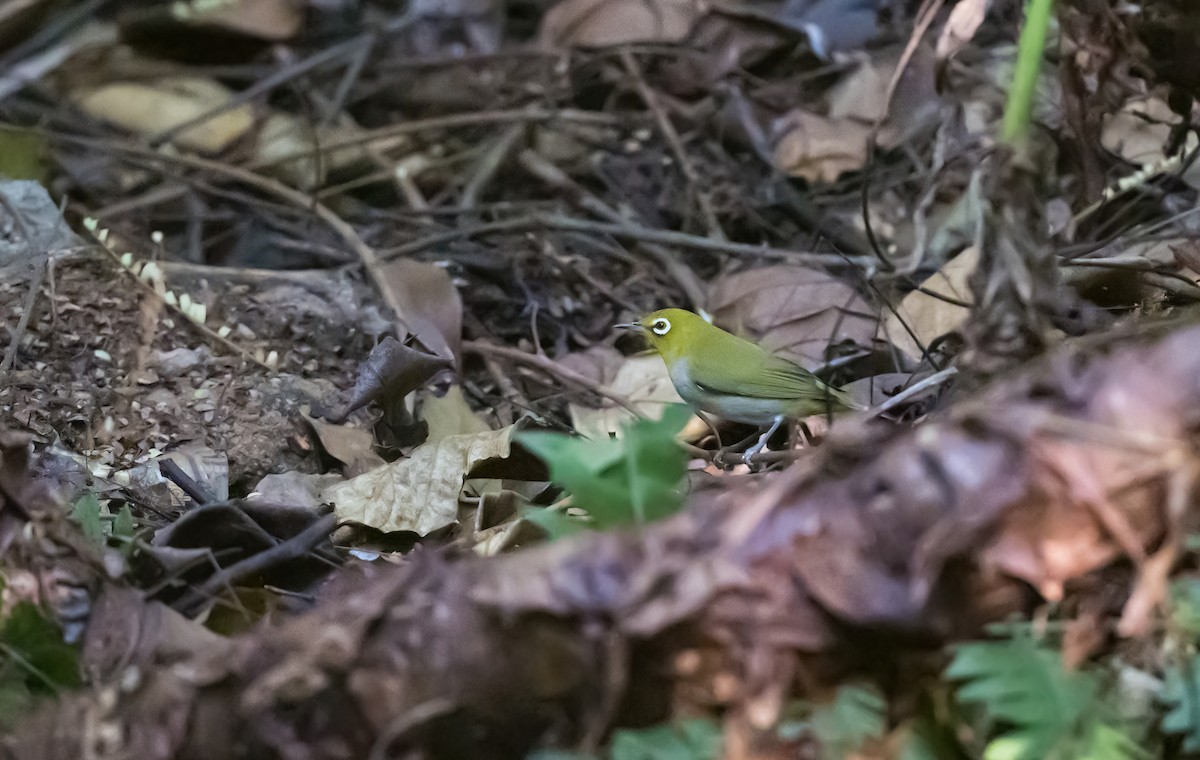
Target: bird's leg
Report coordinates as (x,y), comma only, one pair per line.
(719,459)
(711,426)
(748,457)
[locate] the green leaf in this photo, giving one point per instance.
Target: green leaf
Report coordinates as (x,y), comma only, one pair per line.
(1181,693)
(87,513)
(556,523)
(15,697)
(1043,710)
(631,480)
(924,741)
(1107,742)
(35,645)
(695,739)
(558,754)
(856,714)
(123,524)
(34,661)
(1185,605)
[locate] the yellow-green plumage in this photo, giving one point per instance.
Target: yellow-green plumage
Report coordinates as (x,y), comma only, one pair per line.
(721,373)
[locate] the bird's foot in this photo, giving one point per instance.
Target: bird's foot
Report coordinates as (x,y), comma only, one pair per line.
(754,450)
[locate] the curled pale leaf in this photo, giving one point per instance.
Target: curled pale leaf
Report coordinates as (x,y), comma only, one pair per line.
(419,493)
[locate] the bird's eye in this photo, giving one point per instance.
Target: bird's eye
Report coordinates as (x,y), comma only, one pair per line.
(660,326)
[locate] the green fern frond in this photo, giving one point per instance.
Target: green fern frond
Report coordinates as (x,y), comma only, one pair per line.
(1041,709)
(1181,693)
(858,713)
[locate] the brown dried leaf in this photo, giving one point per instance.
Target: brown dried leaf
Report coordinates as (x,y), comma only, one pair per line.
(862,96)
(393,370)
(929,316)
(419,493)
(599,363)
(793,310)
(126,629)
(430,305)
(601,23)
(352,446)
(817,148)
(1187,254)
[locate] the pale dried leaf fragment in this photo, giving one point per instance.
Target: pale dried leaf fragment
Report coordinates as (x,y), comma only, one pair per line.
(929,316)
(965,19)
(450,415)
(1139,132)
(603,23)
(264,19)
(156,106)
(352,446)
(862,95)
(294,151)
(641,379)
(820,149)
(419,493)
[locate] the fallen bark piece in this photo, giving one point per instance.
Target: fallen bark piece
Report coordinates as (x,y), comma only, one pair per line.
(912,537)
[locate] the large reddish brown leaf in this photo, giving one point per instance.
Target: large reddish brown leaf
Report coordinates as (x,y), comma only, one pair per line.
(430,306)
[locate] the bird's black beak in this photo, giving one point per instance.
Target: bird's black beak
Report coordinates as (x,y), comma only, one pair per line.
(634,326)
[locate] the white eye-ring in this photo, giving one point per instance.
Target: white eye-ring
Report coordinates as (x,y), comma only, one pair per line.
(661,326)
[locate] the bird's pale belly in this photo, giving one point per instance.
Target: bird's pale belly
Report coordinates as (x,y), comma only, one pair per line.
(747,409)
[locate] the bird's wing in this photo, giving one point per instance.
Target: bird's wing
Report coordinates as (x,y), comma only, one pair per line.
(768,376)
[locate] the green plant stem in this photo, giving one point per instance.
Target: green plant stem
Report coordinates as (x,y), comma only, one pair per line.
(1018,112)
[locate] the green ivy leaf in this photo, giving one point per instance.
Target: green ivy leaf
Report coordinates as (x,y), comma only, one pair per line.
(123,527)
(556,523)
(635,479)
(695,739)
(86,512)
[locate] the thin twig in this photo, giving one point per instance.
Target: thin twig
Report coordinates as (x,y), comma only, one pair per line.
(627,230)
(534,163)
(550,367)
(450,121)
(491,162)
(174,473)
(293,548)
(937,378)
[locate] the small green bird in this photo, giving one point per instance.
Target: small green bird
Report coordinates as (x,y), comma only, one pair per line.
(718,372)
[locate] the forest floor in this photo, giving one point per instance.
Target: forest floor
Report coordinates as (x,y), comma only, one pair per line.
(319,441)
